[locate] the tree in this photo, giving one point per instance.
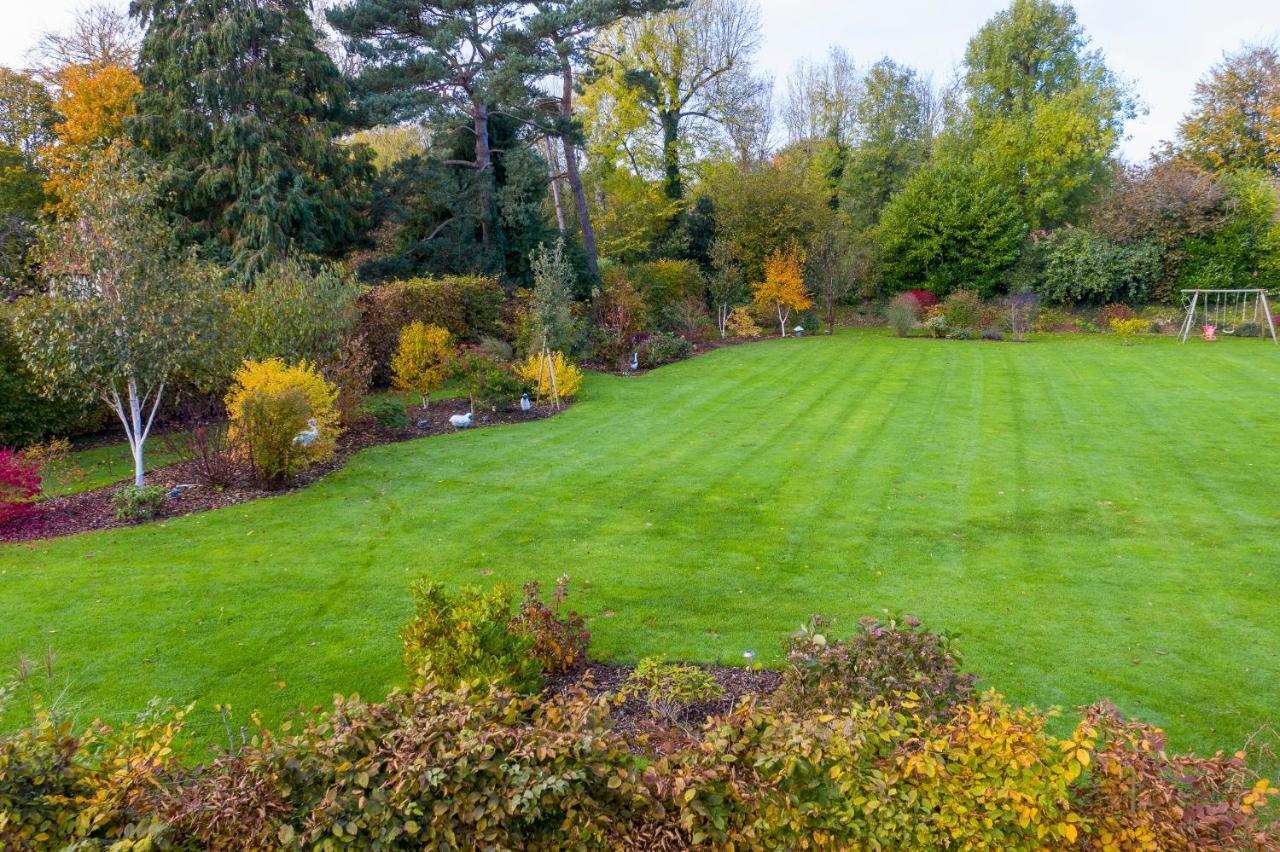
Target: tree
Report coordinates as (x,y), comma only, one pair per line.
(240,108)
(830,270)
(951,226)
(453,61)
(1043,113)
(667,71)
(94,104)
(1234,123)
(725,285)
(783,286)
(894,112)
(566,29)
(100,35)
(551,316)
(27,114)
(124,313)
(421,362)
(821,100)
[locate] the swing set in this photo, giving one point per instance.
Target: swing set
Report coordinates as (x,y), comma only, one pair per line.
(1225,310)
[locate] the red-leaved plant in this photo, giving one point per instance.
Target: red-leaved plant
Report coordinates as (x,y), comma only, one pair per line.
(924,298)
(19,484)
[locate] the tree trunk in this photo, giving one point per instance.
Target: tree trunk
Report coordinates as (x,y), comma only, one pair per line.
(571,171)
(554,162)
(136,429)
(782,320)
(484,171)
(672,186)
(831,316)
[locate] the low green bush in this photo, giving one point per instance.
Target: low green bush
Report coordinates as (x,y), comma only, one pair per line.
(663,348)
(138,503)
(465,638)
(386,411)
(669,689)
(963,309)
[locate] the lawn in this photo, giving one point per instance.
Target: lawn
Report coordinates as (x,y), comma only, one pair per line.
(1094,521)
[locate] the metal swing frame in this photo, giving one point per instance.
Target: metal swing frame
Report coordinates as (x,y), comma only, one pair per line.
(1260,304)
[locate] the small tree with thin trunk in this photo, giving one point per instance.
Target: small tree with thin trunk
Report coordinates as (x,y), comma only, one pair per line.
(421,362)
(725,284)
(830,271)
(123,313)
(783,286)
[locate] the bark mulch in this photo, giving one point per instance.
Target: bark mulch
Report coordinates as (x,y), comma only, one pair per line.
(92,510)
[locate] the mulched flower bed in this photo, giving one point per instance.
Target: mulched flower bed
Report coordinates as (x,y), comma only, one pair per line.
(699,348)
(632,718)
(92,510)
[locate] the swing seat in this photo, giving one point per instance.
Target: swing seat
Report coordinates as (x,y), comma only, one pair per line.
(1210,332)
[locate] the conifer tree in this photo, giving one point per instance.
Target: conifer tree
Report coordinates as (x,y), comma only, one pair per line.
(240,108)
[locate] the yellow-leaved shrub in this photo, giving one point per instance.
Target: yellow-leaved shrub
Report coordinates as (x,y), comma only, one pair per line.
(422,358)
(272,406)
(537,371)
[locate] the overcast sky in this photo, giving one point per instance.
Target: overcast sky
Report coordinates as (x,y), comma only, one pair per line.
(1162,46)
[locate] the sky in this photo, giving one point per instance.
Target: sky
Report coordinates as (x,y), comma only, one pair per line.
(1161,46)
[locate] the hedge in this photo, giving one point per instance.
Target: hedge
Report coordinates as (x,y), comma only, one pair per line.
(26,416)
(468,306)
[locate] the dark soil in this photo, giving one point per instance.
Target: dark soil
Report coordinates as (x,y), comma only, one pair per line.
(92,510)
(632,717)
(699,348)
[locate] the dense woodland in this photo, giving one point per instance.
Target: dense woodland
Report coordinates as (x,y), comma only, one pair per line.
(287,164)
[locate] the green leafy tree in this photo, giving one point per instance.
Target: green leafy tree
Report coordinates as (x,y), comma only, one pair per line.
(952,226)
(660,75)
(894,113)
(27,114)
(241,108)
(1043,113)
(454,62)
(1234,122)
(551,309)
(124,314)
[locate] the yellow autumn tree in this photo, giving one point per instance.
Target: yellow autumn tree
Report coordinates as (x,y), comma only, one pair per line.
(421,361)
(94,104)
(783,289)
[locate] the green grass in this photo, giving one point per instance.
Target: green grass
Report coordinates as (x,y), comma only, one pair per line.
(93,468)
(1094,521)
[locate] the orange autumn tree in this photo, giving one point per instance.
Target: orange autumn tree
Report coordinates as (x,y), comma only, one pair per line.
(783,286)
(94,104)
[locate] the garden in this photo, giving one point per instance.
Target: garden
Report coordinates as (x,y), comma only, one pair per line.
(399,456)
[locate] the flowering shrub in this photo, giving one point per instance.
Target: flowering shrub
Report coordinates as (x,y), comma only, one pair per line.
(742,324)
(465,638)
(669,689)
(895,661)
(1128,329)
(19,484)
(935,322)
(538,371)
(560,639)
(270,405)
(663,348)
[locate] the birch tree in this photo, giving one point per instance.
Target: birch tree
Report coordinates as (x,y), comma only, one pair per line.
(123,313)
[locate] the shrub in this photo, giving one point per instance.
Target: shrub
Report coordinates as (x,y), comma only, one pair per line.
(963,309)
(46,455)
(269,405)
(902,312)
(465,638)
(895,661)
(742,324)
(19,484)
(1081,266)
(669,689)
(488,383)
(560,640)
(962,334)
(352,373)
(1128,329)
(935,322)
(992,334)
(1055,319)
(1107,313)
(204,445)
(924,299)
(138,502)
(662,348)
(26,414)
(296,311)
(664,285)
(538,371)
(421,361)
(387,412)
(469,307)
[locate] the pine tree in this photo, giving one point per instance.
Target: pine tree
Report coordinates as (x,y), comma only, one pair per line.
(240,108)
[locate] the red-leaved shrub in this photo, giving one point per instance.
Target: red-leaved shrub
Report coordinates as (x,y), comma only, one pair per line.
(924,298)
(19,484)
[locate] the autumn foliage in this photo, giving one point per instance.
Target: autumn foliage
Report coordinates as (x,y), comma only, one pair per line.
(270,403)
(421,362)
(783,287)
(19,483)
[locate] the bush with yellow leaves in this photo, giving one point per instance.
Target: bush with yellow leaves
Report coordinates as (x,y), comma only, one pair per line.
(538,372)
(283,418)
(742,324)
(421,362)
